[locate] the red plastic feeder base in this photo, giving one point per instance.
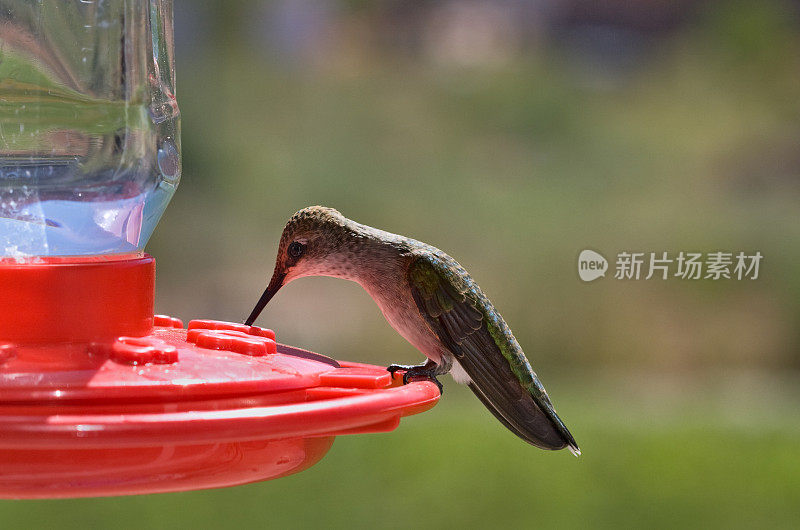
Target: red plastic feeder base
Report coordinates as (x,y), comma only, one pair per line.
(94,403)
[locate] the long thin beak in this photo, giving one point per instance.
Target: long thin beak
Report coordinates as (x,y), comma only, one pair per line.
(274,285)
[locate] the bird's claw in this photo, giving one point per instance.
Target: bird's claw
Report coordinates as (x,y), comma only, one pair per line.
(392,368)
(415,372)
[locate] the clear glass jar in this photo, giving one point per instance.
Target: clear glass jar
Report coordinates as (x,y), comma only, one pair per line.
(89,125)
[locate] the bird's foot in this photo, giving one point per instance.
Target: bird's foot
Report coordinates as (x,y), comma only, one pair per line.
(425,371)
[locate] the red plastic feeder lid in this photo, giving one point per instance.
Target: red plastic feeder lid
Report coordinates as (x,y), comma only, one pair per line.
(224,389)
(213,405)
(218,381)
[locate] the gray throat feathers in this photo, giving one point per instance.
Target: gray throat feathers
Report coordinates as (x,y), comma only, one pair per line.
(375,259)
(382,272)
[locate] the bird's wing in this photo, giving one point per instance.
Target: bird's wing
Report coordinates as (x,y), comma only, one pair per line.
(484,347)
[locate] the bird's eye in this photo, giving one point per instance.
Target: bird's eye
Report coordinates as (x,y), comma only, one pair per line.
(296,249)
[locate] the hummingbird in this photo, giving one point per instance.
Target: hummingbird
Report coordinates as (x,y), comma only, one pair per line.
(431,300)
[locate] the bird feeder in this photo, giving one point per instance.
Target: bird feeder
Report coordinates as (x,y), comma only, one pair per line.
(97,395)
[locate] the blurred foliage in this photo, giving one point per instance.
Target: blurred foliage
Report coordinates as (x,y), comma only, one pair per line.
(674,462)
(513,170)
(671,387)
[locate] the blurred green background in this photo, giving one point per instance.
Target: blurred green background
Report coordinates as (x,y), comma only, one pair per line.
(513,135)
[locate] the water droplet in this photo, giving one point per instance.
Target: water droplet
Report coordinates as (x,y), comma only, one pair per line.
(169,161)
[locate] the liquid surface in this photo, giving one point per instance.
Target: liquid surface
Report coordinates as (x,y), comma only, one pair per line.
(89,133)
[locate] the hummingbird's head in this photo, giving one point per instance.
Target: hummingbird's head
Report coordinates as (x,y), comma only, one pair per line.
(316,241)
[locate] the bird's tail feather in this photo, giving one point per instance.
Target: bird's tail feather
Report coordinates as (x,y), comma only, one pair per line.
(529,415)
(527,421)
